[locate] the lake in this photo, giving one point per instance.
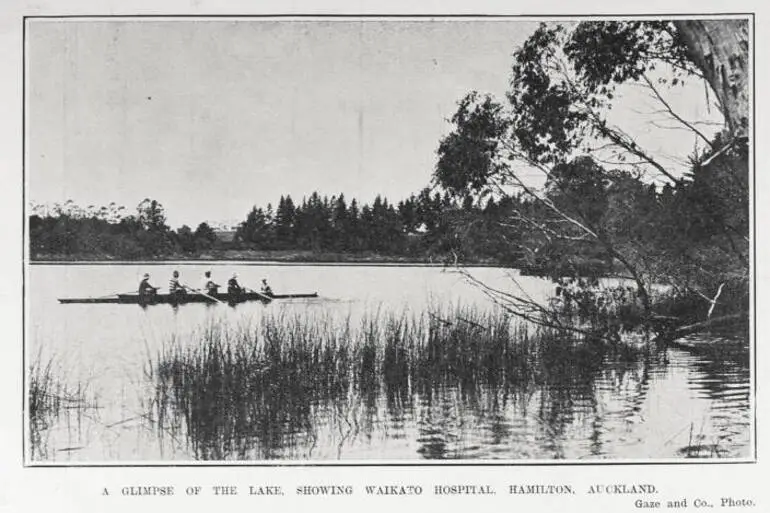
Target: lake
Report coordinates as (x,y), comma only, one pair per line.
(667,404)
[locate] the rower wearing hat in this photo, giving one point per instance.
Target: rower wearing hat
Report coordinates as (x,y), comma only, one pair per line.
(266,290)
(145,289)
(233,287)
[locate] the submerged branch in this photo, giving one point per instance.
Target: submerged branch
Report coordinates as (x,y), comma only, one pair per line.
(709,323)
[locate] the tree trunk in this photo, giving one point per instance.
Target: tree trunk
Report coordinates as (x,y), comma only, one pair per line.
(720,49)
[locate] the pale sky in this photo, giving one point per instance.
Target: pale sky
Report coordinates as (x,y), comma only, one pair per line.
(210,117)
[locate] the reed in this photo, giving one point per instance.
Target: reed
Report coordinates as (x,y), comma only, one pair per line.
(51,396)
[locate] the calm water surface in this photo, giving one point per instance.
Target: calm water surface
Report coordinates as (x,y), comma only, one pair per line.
(672,403)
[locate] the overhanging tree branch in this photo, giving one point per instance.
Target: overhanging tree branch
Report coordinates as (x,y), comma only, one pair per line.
(673,114)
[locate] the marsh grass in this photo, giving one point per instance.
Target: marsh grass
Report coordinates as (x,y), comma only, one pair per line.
(698,447)
(236,390)
(50,398)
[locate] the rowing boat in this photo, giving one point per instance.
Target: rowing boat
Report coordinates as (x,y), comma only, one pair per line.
(180,299)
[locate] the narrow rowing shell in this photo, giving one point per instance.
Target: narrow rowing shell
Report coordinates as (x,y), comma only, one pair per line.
(178,299)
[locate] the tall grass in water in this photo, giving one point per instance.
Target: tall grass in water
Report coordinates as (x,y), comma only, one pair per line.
(49,398)
(237,393)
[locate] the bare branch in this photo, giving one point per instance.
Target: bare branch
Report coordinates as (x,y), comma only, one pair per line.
(524,308)
(674,114)
(718,153)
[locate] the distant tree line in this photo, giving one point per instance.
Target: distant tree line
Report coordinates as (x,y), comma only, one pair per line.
(109,232)
(427,224)
(430,226)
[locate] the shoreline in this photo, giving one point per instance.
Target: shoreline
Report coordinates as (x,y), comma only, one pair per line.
(280,258)
(252,257)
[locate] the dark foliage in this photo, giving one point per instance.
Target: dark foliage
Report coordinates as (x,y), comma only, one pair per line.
(467,155)
(691,235)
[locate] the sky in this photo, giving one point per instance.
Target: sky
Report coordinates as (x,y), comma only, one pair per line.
(211,117)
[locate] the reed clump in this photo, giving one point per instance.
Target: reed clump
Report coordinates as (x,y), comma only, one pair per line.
(231,389)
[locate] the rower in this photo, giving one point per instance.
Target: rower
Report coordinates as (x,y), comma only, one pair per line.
(145,289)
(266,290)
(209,285)
(174,287)
(233,287)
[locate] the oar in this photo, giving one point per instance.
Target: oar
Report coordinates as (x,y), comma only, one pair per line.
(205,295)
(260,294)
(117,294)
